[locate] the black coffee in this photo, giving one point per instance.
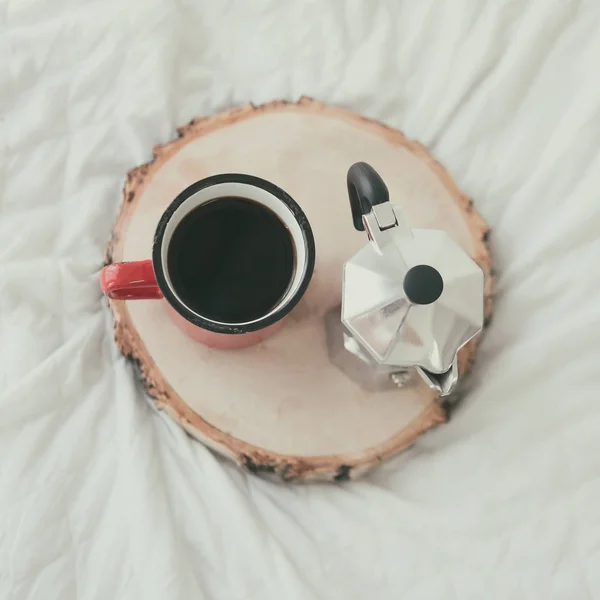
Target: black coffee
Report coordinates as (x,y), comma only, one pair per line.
(231,260)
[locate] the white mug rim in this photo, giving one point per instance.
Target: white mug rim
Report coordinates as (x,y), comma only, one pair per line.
(255,189)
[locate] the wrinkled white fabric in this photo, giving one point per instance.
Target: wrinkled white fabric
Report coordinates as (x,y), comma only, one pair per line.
(103,497)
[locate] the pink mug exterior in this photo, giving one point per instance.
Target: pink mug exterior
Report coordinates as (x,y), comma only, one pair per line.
(222,341)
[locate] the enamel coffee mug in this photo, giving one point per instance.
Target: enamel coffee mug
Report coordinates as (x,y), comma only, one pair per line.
(231,256)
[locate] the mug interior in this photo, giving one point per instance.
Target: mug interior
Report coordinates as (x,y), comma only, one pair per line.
(281,205)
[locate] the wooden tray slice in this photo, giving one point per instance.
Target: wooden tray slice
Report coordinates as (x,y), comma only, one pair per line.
(281,407)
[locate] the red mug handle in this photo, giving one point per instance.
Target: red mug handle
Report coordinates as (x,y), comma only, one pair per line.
(130,281)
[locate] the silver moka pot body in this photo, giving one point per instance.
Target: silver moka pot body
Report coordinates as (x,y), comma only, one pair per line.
(411,298)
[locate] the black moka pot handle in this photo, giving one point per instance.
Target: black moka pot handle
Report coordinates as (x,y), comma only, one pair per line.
(365,190)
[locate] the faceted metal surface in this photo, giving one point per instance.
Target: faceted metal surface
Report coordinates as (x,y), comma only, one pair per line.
(442,383)
(348,355)
(376,311)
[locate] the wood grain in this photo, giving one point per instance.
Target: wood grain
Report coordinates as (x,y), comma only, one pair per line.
(305,148)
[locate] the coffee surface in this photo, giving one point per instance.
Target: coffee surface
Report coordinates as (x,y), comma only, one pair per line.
(231,260)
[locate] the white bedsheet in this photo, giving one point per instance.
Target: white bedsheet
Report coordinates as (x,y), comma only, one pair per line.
(102,497)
